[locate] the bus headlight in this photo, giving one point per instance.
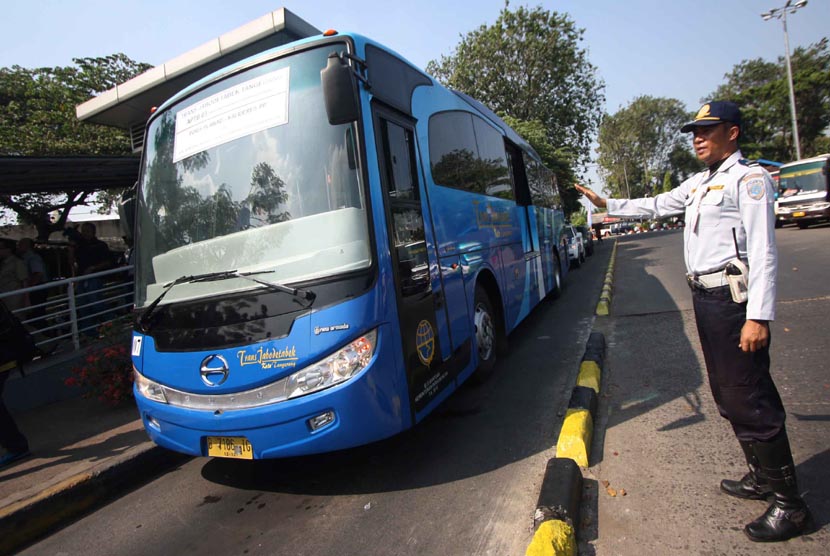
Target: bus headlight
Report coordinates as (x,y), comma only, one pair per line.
(147,388)
(334,369)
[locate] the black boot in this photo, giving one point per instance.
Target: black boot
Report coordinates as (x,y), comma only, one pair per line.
(753,486)
(788,516)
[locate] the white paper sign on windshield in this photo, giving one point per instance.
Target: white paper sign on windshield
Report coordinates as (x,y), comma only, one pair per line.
(254,105)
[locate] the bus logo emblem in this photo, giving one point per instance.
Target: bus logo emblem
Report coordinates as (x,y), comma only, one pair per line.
(425,342)
(214,375)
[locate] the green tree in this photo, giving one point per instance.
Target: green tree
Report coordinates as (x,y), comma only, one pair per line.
(529,65)
(760,88)
(37,118)
(641,143)
(580,217)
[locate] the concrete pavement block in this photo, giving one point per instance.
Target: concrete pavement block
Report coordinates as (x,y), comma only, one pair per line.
(575,437)
(553,538)
(584,397)
(590,375)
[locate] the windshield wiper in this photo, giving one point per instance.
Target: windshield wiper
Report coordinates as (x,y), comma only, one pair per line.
(144,319)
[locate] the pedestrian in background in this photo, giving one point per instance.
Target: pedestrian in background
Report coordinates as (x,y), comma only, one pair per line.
(12,275)
(16,348)
(35,275)
(88,256)
(730,225)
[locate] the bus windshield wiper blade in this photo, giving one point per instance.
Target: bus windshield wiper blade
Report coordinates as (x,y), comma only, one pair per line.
(144,319)
(308,295)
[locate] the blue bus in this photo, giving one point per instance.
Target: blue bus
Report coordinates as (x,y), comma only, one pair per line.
(328,243)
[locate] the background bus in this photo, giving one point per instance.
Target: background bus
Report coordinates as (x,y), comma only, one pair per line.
(328,242)
(804,192)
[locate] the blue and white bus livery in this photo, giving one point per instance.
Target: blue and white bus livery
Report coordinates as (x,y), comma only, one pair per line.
(328,242)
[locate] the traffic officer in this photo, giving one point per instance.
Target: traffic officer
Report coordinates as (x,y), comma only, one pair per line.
(730,225)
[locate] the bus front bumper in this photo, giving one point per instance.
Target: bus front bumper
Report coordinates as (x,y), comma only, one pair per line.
(367,408)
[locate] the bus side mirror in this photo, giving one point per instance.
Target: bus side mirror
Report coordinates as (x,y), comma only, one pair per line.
(340,90)
(126,211)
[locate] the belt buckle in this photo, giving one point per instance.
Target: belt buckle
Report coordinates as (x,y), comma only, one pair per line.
(694,284)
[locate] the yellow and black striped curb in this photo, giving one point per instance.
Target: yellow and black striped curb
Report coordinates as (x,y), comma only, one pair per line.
(557,509)
(604,304)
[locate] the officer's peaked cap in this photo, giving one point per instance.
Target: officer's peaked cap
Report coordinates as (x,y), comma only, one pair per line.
(713,113)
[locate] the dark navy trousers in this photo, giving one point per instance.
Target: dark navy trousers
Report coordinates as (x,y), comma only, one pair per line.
(741,384)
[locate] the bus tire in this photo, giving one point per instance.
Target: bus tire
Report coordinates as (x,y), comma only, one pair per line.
(486,334)
(556,291)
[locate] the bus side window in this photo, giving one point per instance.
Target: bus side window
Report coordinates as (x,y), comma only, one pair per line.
(520,175)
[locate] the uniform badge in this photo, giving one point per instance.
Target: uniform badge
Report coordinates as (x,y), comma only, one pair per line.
(703,113)
(755,186)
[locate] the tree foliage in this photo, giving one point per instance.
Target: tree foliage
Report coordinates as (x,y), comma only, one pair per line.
(760,88)
(641,143)
(529,65)
(37,118)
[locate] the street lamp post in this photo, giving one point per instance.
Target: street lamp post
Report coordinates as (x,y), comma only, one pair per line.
(781,13)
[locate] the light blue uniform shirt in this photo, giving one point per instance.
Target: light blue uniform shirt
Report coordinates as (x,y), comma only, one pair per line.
(734,196)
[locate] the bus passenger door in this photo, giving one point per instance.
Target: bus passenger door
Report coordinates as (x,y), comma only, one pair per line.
(533,286)
(421,314)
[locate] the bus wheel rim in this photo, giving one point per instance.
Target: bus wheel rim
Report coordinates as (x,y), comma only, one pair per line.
(485,333)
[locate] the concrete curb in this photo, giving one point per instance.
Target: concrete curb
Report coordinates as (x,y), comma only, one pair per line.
(604,304)
(25,521)
(557,510)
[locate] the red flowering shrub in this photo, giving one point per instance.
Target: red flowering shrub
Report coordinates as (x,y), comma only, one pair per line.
(107,370)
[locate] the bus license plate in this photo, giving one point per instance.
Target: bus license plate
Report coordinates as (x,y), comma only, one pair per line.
(230,447)
(799,214)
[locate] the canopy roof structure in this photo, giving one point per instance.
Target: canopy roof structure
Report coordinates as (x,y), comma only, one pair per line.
(35,174)
(127,106)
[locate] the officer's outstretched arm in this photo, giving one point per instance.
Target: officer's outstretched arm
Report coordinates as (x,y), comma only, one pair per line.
(591,196)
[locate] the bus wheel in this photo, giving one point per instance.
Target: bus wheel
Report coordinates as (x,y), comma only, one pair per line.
(556,292)
(486,333)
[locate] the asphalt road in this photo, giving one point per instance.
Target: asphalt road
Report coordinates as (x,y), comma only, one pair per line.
(464,481)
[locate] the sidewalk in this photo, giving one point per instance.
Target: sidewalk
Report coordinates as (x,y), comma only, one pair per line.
(83,453)
(660,446)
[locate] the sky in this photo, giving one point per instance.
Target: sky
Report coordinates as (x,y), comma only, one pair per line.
(664,48)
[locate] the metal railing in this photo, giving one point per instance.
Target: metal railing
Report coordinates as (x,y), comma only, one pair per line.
(71,310)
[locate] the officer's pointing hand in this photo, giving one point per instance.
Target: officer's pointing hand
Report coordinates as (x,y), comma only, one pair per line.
(593,197)
(754,335)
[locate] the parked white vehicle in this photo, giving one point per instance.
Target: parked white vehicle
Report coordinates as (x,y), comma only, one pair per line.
(576,247)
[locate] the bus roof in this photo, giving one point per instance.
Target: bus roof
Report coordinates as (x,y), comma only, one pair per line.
(818,158)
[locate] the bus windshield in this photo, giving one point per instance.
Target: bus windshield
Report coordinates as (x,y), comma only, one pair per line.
(802,178)
(248,175)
